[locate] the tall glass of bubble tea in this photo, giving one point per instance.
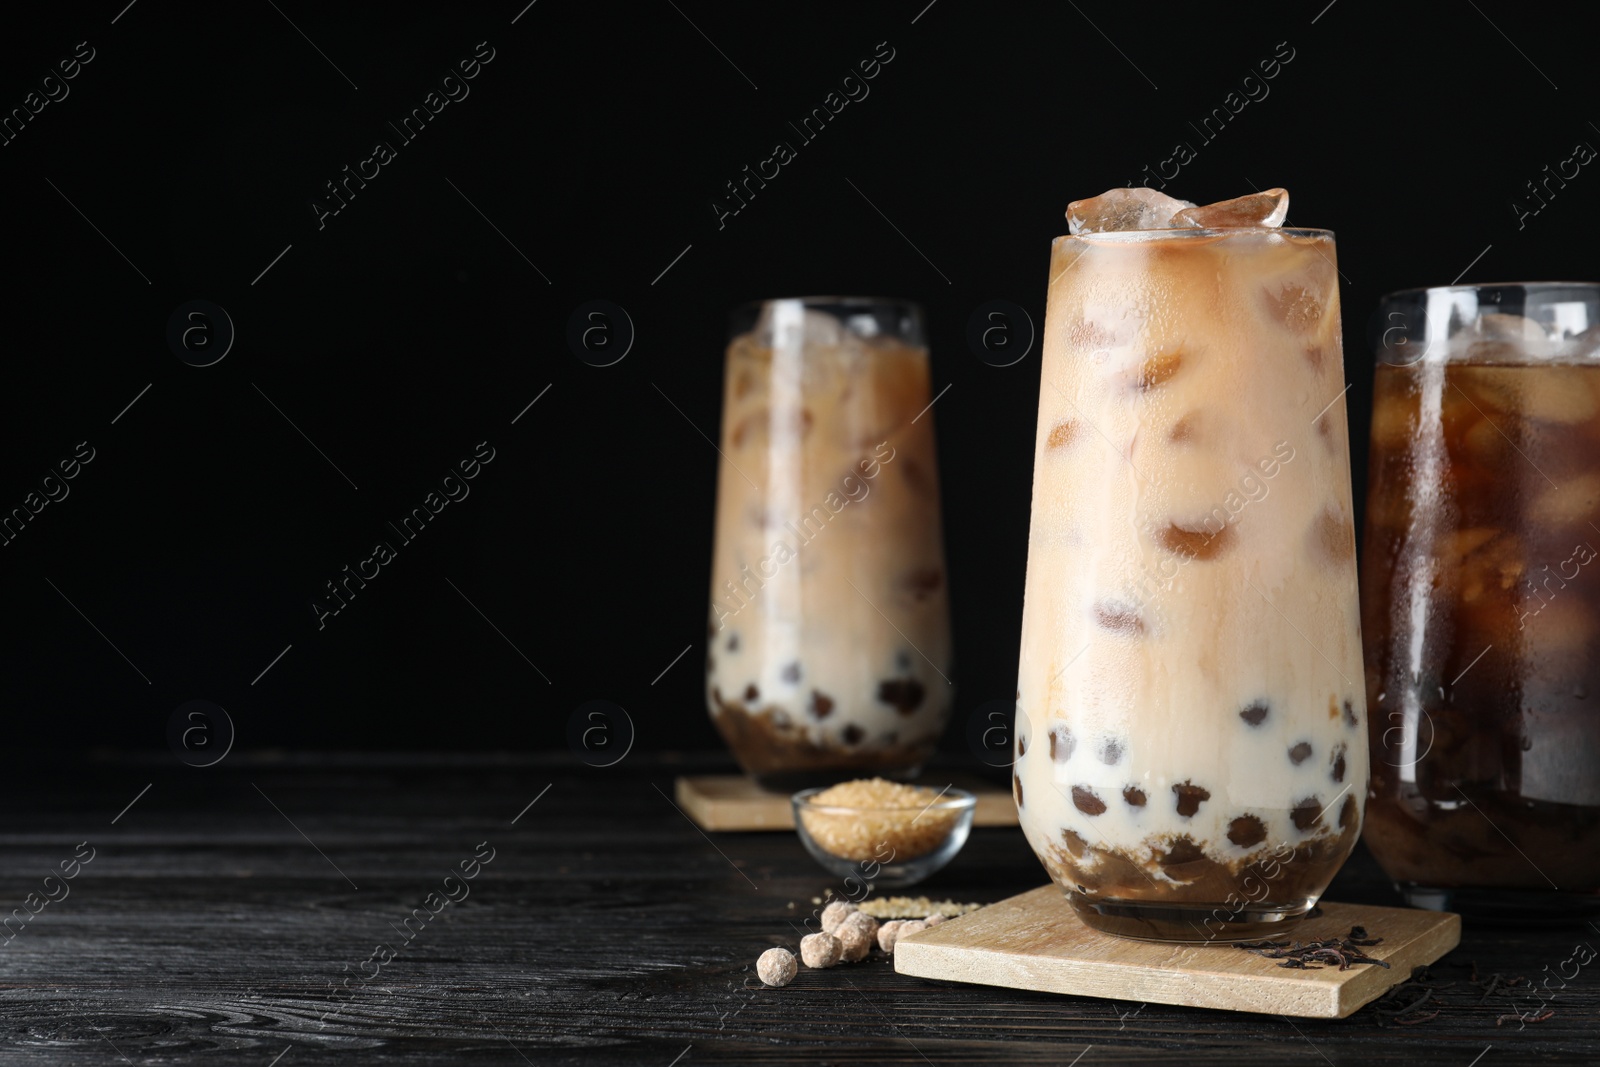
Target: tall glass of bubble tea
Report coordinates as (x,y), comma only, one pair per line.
(829,636)
(1481,599)
(1192,758)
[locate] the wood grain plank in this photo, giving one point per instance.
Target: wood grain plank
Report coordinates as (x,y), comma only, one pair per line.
(607,930)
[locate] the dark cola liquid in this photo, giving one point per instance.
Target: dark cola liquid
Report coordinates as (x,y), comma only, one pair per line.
(1481,616)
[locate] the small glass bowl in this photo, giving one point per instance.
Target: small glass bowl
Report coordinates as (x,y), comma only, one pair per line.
(889,847)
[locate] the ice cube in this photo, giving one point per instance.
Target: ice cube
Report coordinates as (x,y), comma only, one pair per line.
(1258,209)
(1575,498)
(1498,326)
(1485,569)
(1135,208)
(1156,370)
(1497,337)
(1295,306)
(1548,394)
(822,330)
(1557,394)
(1585,345)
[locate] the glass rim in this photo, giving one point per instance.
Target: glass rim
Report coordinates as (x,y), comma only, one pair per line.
(822,302)
(1478,287)
(1186,233)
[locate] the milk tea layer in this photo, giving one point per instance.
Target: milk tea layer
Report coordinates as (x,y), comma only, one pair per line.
(1191,675)
(829,629)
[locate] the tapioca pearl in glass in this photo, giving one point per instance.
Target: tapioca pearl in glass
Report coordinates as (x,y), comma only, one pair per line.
(918,584)
(1119,617)
(1188,797)
(1182,850)
(1062,743)
(1087,800)
(1247,831)
(905,695)
(821,704)
(1306,814)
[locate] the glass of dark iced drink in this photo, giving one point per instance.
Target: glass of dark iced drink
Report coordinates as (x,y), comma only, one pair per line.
(829,635)
(1194,758)
(1481,597)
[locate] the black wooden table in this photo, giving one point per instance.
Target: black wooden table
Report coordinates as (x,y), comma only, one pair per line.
(257,912)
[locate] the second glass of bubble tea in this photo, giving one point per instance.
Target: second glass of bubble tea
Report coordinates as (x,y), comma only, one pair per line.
(829,649)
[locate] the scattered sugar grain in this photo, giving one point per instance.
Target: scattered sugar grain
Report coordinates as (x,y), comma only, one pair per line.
(914,908)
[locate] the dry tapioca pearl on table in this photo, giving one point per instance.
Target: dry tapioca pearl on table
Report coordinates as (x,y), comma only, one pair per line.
(834,915)
(904,929)
(820,950)
(777,967)
(860,920)
(854,942)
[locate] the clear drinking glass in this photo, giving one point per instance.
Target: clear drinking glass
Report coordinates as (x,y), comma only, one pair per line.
(1481,600)
(1191,755)
(830,633)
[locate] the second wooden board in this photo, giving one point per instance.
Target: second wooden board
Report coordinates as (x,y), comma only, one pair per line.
(1036,941)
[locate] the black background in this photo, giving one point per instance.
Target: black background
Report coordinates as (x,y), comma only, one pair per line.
(409,328)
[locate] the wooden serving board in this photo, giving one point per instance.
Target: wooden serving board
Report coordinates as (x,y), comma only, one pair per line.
(1036,941)
(736,802)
